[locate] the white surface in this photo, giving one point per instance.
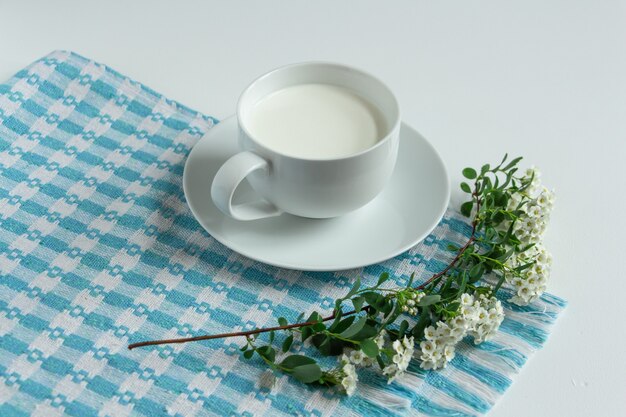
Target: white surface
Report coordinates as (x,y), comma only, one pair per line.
(329,244)
(543,79)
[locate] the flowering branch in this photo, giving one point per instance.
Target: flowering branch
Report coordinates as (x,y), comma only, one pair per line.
(510,214)
(302,324)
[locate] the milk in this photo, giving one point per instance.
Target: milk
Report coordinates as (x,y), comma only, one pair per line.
(317,121)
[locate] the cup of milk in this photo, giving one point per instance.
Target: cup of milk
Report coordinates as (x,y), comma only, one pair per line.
(317,140)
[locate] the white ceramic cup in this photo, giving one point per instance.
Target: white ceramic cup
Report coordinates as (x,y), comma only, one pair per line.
(315,188)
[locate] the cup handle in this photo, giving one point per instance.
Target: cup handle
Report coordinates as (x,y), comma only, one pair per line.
(227,180)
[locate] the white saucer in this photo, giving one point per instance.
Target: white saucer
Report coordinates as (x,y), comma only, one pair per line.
(405,212)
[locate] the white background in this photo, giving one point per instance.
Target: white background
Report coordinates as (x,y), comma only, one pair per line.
(545,79)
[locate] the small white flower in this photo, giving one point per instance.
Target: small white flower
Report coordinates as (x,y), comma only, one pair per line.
(458,333)
(380,339)
(459,322)
(392,372)
(443,330)
(448,353)
(356,357)
(397,345)
(367,361)
(349,385)
(479,317)
(467,300)
(408,343)
(349,370)
(350,378)
(430,333)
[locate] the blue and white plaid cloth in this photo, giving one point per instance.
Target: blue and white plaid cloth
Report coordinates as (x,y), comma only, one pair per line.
(98,250)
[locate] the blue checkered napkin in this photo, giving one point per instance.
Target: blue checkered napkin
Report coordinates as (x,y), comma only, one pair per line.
(98,249)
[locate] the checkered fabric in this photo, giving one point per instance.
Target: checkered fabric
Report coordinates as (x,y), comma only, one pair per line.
(98,249)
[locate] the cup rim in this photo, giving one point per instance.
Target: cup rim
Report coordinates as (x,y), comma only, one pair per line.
(390,131)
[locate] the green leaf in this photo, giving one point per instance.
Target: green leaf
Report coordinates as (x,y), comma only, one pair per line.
(380,361)
(293,361)
(248,354)
(469,173)
(404,325)
(512,163)
(506,155)
(392,315)
(354,328)
(267,352)
(318,339)
(369,347)
(487,183)
(375,300)
(343,324)
(307,373)
(408,285)
(466,208)
(331,346)
(429,300)
(272,335)
(287,343)
(454,306)
(477,271)
(306,333)
(387,306)
(354,289)
(423,322)
(499,283)
(365,333)
(243,348)
(358,303)
(382,278)
(318,327)
(484,169)
(465,187)
(453,248)
(314,317)
(336,321)
(282,321)
(463,282)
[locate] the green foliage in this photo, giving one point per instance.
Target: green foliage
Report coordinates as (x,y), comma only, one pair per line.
(307,373)
(469,173)
(287,343)
(369,347)
(293,361)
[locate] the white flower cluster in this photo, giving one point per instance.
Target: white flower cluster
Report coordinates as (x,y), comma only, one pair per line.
(410,305)
(400,361)
(349,377)
(533,281)
(529,229)
(478,317)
